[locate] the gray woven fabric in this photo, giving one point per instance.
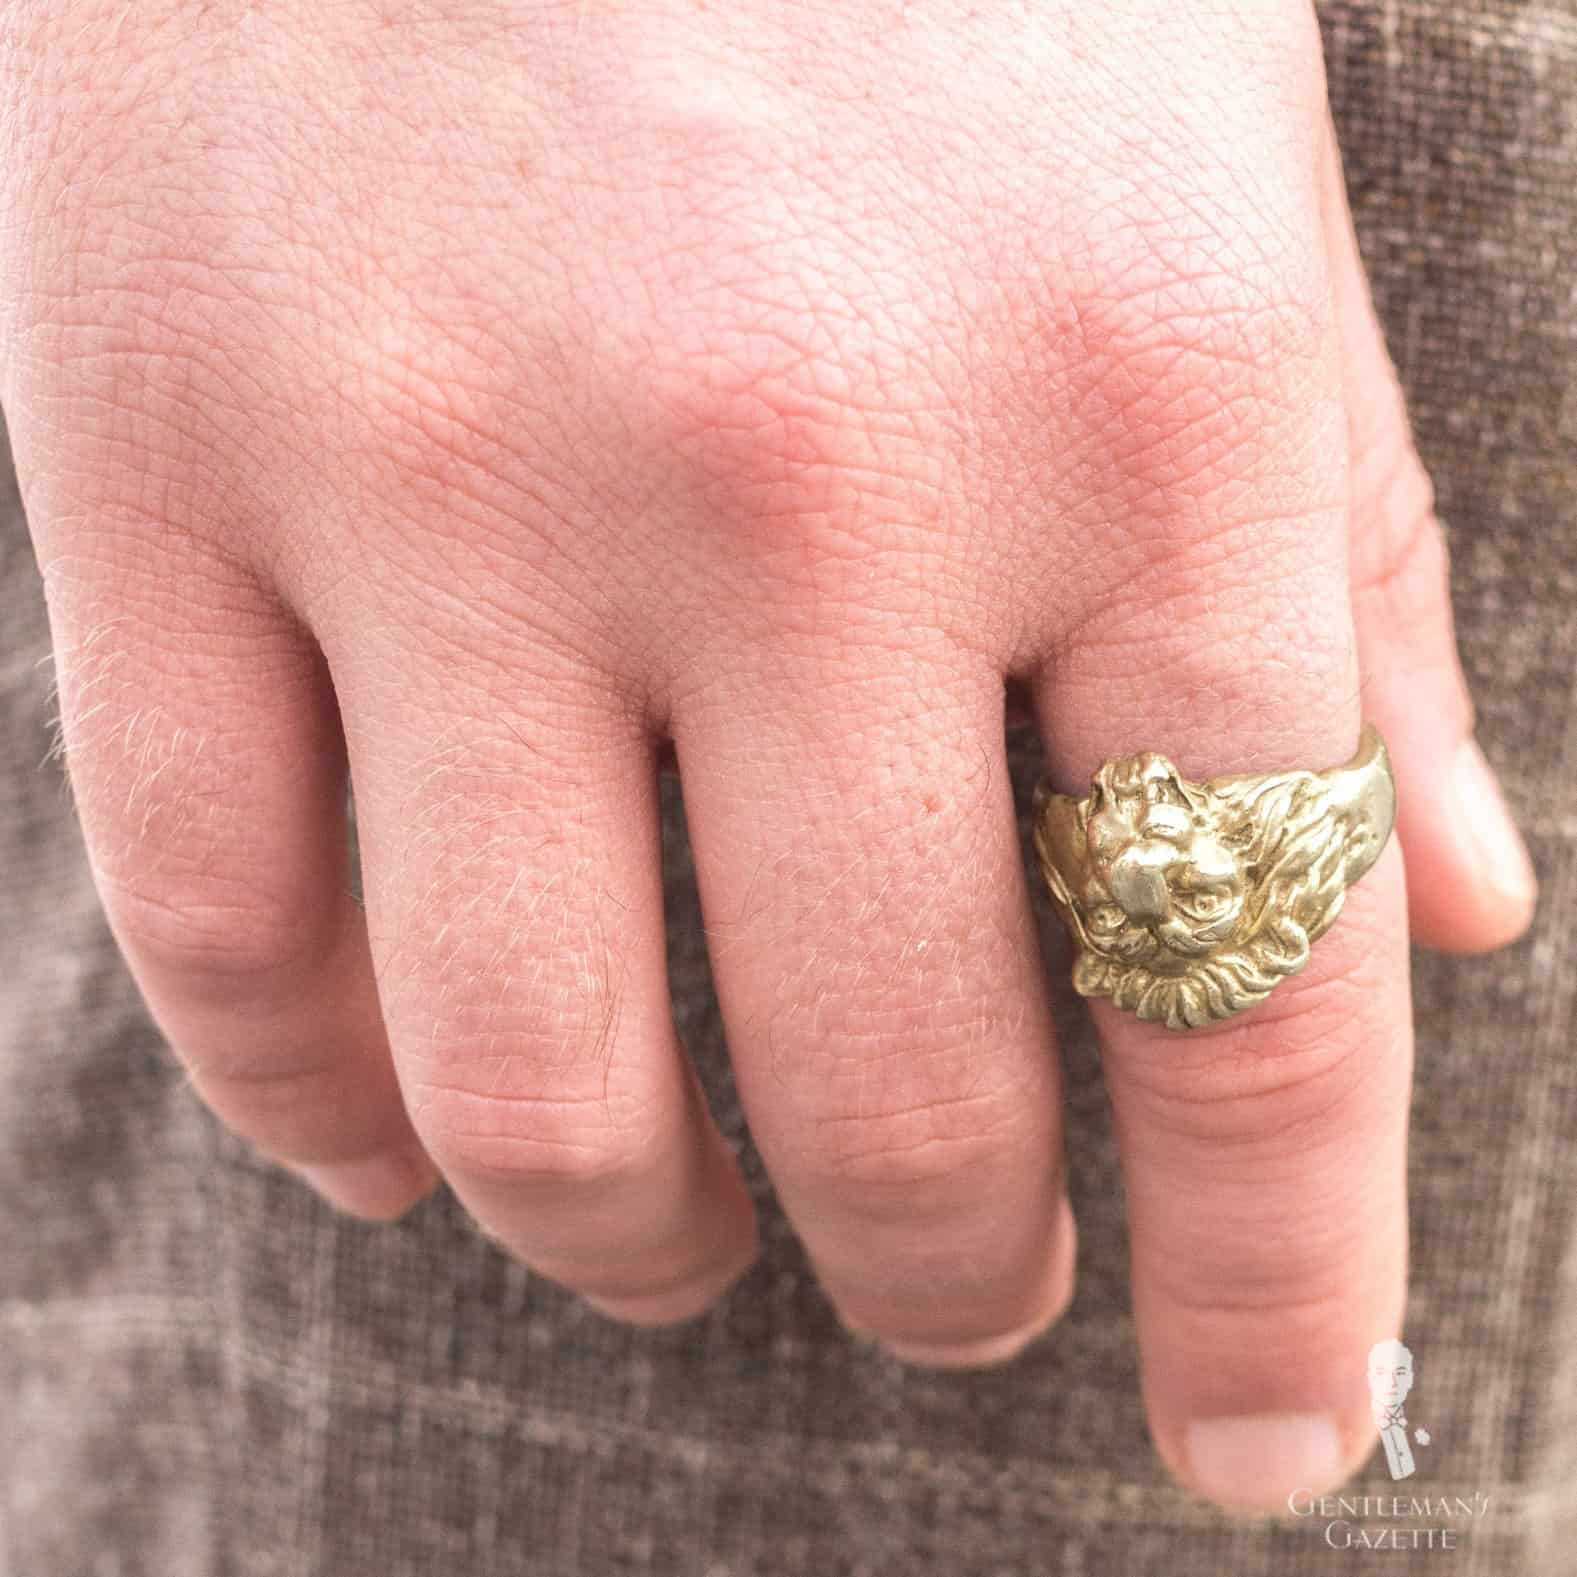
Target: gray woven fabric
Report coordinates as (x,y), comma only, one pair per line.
(203,1371)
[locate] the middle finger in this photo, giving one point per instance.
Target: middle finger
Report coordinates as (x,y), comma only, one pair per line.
(881,983)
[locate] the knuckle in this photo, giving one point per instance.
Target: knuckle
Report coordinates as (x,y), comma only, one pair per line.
(1312,1292)
(1297,1310)
(1401,557)
(269,1087)
(437,414)
(1282,668)
(294,1112)
(1260,1286)
(509,1119)
(536,1145)
(941,1158)
(208,933)
(753,396)
(508,992)
(887,1158)
(1198,334)
(164,427)
(1205,387)
(784,389)
(1273,654)
(1401,579)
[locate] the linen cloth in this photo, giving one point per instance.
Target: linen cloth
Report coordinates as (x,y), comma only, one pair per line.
(205,1373)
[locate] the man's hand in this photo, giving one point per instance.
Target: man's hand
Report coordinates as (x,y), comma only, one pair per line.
(484,395)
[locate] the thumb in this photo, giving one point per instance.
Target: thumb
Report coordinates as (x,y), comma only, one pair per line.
(1470,884)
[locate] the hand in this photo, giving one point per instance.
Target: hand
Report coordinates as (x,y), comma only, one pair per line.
(484,396)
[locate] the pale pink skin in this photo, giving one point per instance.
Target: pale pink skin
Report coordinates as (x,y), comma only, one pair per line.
(771,381)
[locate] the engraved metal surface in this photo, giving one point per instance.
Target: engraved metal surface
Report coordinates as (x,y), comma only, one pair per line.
(1188,902)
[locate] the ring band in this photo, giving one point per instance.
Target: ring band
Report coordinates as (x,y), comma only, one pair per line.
(1188,902)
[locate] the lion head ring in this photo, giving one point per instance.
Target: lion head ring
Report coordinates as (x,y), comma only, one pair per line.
(1188,902)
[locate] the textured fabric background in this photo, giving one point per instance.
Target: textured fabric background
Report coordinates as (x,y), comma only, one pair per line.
(202,1371)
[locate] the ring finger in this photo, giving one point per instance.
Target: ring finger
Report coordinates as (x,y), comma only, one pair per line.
(1264,1154)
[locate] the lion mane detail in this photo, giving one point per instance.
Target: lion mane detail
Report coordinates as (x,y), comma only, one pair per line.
(1284,846)
(1294,894)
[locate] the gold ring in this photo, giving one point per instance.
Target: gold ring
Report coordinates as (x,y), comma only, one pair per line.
(1188,902)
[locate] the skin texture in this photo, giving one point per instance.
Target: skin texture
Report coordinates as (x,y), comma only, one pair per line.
(498,401)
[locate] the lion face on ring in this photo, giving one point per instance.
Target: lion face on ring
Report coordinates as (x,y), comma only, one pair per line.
(1189,901)
(1166,884)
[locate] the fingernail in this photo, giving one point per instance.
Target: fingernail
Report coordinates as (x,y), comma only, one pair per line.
(1253,1462)
(1502,856)
(378,1187)
(674,1305)
(984,1354)
(967,1355)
